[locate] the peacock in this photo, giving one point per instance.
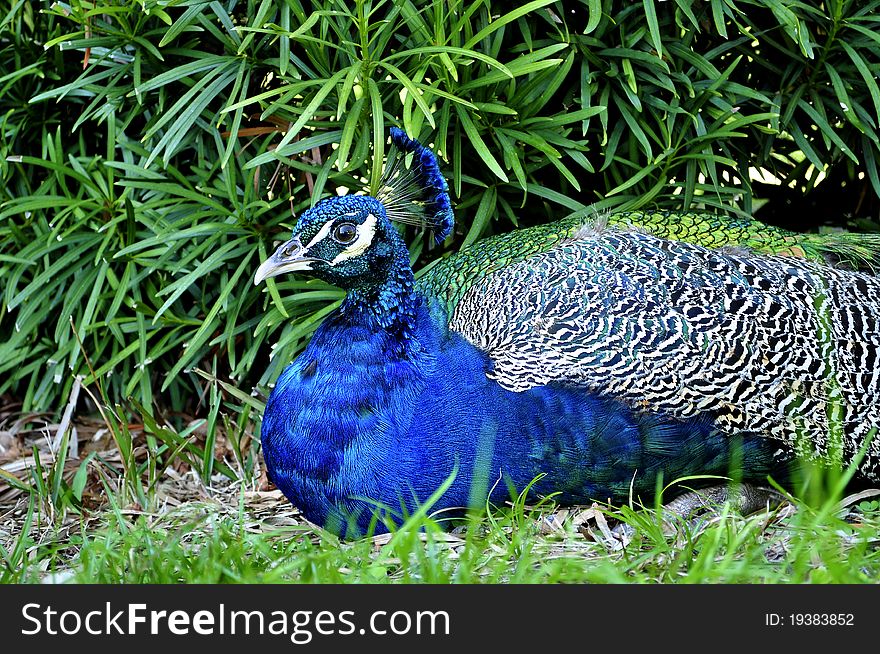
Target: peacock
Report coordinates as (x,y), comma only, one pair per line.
(590,358)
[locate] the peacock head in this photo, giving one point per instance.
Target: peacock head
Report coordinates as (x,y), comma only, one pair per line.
(347,241)
(350,241)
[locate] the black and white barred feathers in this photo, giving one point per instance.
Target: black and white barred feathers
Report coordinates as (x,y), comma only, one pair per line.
(769,345)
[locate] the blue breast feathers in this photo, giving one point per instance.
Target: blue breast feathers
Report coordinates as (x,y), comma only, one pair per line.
(354,425)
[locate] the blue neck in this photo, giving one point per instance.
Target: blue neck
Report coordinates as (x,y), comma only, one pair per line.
(388,306)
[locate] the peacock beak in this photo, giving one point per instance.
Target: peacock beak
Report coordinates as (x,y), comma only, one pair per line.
(289,257)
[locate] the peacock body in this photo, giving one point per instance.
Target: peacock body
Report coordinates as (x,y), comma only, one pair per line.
(601,354)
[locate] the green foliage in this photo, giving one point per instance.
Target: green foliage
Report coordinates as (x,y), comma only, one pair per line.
(154,150)
(205,542)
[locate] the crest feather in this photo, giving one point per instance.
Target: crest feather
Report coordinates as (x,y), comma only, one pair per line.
(413,190)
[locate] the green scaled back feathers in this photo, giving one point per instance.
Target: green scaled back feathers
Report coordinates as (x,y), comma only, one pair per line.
(449,279)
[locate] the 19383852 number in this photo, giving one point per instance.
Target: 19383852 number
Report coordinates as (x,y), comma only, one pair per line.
(809,620)
(821,619)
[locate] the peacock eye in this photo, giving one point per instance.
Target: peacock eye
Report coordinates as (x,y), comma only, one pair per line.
(345,233)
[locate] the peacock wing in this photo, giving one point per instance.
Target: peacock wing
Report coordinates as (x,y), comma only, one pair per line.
(774,345)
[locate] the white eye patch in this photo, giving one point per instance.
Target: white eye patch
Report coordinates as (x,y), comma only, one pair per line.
(365,233)
(320,236)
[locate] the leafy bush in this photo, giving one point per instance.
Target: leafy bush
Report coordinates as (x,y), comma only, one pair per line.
(154,150)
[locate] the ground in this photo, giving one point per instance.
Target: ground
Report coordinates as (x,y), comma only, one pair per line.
(87,527)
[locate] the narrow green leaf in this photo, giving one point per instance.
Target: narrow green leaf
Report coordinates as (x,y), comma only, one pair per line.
(632,181)
(202,334)
(595,9)
(484,213)
(469,54)
(414,93)
(379,135)
(653,25)
(865,72)
(505,19)
(826,129)
(478,143)
(181,24)
(308,112)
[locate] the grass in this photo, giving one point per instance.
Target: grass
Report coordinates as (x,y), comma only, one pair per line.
(230,532)
(206,542)
(123,496)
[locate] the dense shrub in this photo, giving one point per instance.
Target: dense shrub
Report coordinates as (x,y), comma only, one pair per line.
(153,151)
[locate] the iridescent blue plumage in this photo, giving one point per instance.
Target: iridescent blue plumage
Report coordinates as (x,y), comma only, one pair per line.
(590,357)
